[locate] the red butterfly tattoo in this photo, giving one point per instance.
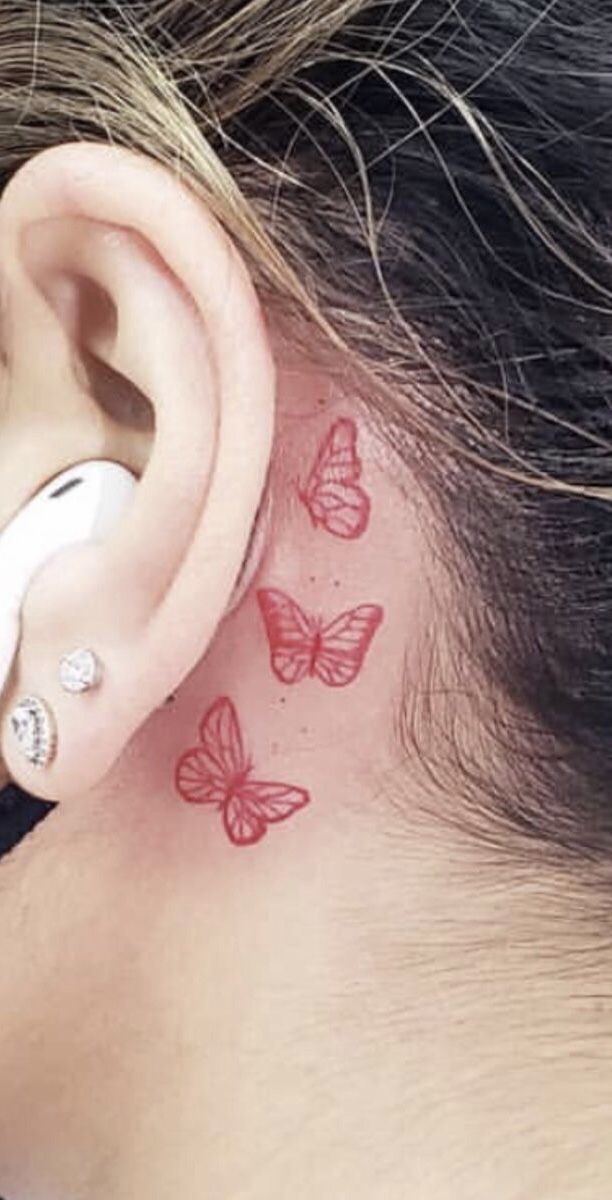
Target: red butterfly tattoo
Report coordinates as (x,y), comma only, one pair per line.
(301,644)
(332,494)
(218,772)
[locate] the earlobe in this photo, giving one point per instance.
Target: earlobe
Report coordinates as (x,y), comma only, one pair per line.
(114,271)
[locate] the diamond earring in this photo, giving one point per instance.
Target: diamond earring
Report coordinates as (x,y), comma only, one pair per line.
(80,670)
(33,724)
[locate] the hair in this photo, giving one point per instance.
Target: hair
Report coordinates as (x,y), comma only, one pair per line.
(426,185)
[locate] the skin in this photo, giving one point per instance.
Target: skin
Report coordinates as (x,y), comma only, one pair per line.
(358,1005)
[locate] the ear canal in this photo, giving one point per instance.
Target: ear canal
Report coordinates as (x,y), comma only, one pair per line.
(88,316)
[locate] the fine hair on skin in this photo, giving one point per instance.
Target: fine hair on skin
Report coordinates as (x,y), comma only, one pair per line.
(425,198)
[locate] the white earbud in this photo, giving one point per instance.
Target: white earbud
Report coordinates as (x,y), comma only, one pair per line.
(82,503)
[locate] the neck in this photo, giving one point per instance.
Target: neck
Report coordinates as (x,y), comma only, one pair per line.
(367,1017)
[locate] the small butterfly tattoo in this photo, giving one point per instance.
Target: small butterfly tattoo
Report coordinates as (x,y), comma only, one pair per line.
(332,494)
(301,645)
(218,772)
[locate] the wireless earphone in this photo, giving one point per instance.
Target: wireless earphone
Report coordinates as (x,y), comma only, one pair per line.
(84,502)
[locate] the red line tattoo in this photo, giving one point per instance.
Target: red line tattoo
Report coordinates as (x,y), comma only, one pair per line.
(218,772)
(302,645)
(332,494)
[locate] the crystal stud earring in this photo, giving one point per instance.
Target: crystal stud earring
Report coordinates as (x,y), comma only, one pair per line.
(80,670)
(33,724)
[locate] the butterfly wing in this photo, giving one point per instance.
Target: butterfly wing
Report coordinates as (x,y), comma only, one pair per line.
(344,644)
(338,460)
(256,805)
(204,774)
(221,737)
(341,509)
(332,494)
(290,633)
(197,779)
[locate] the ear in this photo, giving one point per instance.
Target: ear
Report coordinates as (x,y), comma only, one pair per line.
(131,331)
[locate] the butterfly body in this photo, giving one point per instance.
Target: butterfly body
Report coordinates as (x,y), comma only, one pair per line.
(236,783)
(317,642)
(313,643)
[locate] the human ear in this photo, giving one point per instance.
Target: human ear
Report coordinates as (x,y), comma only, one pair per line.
(131,331)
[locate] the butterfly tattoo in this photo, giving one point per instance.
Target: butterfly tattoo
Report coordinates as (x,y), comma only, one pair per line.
(332,494)
(300,644)
(218,772)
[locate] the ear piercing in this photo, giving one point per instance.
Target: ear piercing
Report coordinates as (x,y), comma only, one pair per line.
(32,720)
(33,724)
(80,670)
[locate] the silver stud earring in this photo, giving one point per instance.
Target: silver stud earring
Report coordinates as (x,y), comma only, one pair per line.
(80,670)
(33,724)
